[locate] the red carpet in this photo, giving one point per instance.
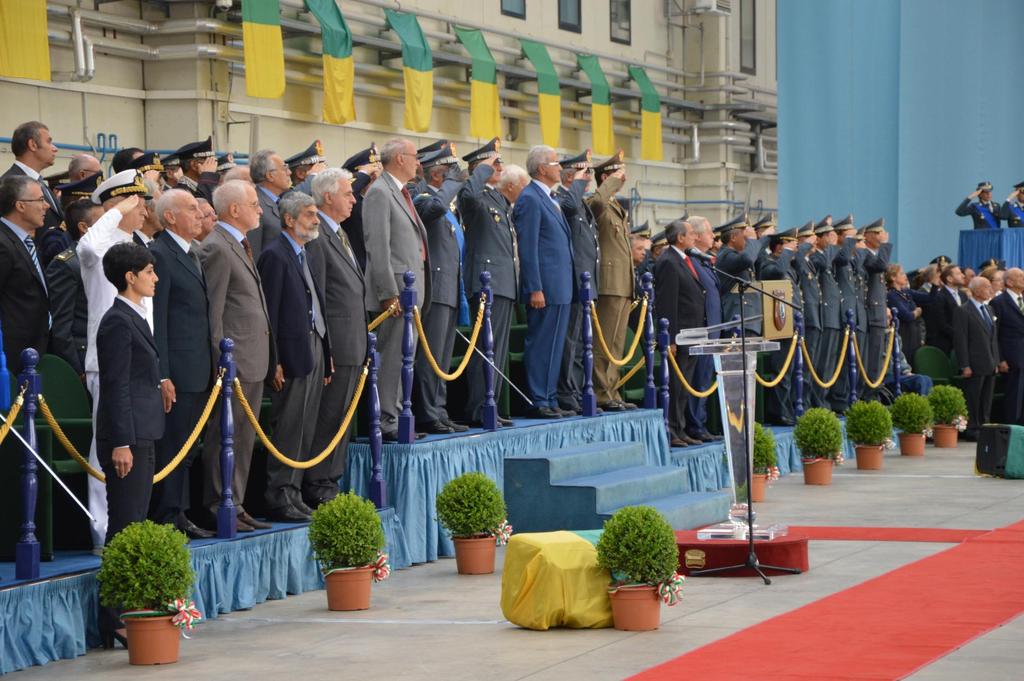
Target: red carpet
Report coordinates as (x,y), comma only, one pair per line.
(885,628)
(922,534)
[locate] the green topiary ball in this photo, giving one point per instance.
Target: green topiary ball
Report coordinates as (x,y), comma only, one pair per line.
(818,434)
(638,546)
(868,423)
(471,504)
(346,532)
(145,567)
(764,449)
(912,413)
(947,403)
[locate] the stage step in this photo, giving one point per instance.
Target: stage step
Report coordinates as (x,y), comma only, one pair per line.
(580,487)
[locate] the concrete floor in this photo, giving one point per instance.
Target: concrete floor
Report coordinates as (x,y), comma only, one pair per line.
(426,622)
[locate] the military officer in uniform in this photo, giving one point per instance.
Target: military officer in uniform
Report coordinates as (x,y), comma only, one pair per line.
(148,163)
(658,244)
(490,247)
(810,290)
(846,269)
(984,212)
(58,239)
(305,163)
(877,251)
(737,258)
(586,251)
(365,168)
(615,286)
(832,322)
(199,169)
(780,265)
(1013,207)
(760,226)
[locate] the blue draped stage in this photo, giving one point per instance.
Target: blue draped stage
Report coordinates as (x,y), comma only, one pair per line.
(978,245)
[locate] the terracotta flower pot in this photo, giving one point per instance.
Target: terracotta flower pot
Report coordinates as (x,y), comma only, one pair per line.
(349,589)
(945,437)
(869,457)
(152,640)
(758,485)
(636,608)
(818,471)
(912,444)
(474,555)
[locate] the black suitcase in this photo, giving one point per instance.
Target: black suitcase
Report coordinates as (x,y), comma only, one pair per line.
(1000,451)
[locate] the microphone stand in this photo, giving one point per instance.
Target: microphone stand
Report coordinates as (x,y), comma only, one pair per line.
(751,562)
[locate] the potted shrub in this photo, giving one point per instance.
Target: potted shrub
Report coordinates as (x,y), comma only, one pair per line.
(819,437)
(639,548)
(146,571)
(472,509)
(764,468)
(912,414)
(949,409)
(348,540)
(869,427)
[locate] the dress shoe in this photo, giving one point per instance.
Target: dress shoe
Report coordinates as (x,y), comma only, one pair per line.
(302,507)
(456,427)
(241,526)
(317,502)
(389,436)
(565,413)
(253,523)
(287,514)
(690,440)
(704,437)
(628,406)
(543,413)
(193,531)
(612,406)
(437,428)
(676,442)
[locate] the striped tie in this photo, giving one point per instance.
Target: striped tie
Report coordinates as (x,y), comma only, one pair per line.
(31,246)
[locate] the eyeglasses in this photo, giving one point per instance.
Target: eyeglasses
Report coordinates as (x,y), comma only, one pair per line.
(41,198)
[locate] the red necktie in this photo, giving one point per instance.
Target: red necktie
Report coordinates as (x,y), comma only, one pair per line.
(693,271)
(412,211)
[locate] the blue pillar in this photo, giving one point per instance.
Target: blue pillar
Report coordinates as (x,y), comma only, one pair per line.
(227,512)
(797,380)
(650,391)
(406,420)
(378,488)
(26,552)
(851,356)
(586,300)
(666,376)
(489,413)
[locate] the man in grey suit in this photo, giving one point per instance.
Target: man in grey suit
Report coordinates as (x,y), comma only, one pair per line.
(877,251)
(396,243)
(338,275)
(977,354)
(237,311)
(272,178)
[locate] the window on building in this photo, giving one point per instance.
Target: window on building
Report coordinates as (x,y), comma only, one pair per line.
(569,17)
(748,36)
(620,21)
(514,8)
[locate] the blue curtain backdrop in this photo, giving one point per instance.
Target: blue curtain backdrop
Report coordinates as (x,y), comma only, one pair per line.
(897,108)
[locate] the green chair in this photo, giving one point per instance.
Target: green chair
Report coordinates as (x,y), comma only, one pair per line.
(934,363)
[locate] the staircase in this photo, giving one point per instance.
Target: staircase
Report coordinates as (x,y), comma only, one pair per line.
(580,487)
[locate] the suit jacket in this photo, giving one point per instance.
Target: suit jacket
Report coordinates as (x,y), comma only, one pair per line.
(338,276)
(976,341)
(181,317)
(586,246)
(69,308)
(289,301)
(395,244)
(130,407)
(940,318)
(712,298)
(491,240)
(270,224)
(973,208)
(613,230)
(545,248)
(1010,327)
(237,307)
(353,227)
(445,268)
(54,214)
(679,294)
(24,305)
(875,298)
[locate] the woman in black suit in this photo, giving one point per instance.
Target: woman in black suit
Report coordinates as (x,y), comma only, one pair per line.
(909,306)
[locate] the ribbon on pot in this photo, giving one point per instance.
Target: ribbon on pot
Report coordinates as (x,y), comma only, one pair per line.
(502,532)
(186,614)
(381,568)
(671,590)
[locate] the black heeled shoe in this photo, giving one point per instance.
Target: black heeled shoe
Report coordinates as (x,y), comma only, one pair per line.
(109,637)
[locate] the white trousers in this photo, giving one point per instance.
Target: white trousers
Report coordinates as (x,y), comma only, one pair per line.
(97,490)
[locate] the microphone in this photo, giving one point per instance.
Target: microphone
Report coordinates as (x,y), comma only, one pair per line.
(694,253)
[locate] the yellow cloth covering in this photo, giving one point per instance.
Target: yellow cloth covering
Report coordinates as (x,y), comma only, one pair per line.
(551,579)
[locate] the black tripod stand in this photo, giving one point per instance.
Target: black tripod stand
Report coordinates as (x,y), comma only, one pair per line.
(752,562)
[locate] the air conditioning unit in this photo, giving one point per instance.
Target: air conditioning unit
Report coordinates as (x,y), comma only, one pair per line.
(719,7)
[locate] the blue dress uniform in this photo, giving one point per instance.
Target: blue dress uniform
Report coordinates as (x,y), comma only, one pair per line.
(875,264)
(779,400)
(984,214)
(1013,207)
(738,263)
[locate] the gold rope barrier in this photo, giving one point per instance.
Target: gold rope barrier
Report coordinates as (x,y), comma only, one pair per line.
(13,413)
(62,437)
(885,363)
(469,350)
(331,446)
(782,374)
(809,365)
(632,372)
(636,336)
(381,318)
(682,379)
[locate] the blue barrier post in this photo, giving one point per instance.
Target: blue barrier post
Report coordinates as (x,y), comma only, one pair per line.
(650,391)
(589,401)
(378,488)
(797,380)
(489,412)
(227,512)
(663,341)
(896,352)
(26,552)
(406,420)
(851,357)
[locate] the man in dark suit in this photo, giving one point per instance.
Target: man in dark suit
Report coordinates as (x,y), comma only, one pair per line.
(548,283)
(977,353)
(296,308)
(985,213)
(679,298)
(486,206)
(24,306)
(340,278)
(34,152)
(877,252)
(940,315)
(1008,309)
(181,327)
(238,311)
(703,373)
(396,243)
(365,168)
(272,179)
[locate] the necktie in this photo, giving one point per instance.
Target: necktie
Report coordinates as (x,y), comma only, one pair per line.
(693,271)
(412,211)
(986,315)
(248,250)
(31,246)
(48,195)
(1020,303)
(315,320)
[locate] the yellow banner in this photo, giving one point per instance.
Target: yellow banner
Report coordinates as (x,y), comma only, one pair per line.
(24,47)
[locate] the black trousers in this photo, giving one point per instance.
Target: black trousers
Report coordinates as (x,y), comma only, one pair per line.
(978,393)
(127,497)
(321,481)
(814,395)
(430,392)
(778,401)
(1013,401)
(476,390)
(570,379)
(171,496)
(678,397)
